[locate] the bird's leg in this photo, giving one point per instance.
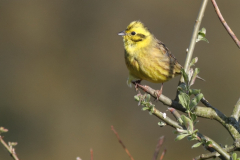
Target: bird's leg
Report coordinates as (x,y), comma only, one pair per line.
(136,83)
(159,92)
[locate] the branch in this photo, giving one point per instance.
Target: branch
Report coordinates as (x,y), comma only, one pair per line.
(205,112)
(166,119)
(10,149)
(159,144)
(230,32)
(163,153)
(215,154)
(231,126)
(176,115)
(91,152)
(141,99)
(165,100)
(215,146)
(120,141)
(236,110)
(230,123)
(194,35)
(202,138)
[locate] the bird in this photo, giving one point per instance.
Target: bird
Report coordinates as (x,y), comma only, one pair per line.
(146,57)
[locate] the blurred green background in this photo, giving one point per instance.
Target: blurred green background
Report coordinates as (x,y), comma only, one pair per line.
(63,76)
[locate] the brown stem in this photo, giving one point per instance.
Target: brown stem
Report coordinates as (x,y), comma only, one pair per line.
(91,152)
(159,144)
(120,141)
(230,32)
(163,153)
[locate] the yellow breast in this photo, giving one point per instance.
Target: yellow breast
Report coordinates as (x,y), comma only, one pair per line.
(145,64)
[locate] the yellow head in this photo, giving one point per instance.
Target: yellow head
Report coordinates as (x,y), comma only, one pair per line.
(136,33)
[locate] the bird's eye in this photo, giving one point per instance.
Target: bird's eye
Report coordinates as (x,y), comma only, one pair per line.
(133,33)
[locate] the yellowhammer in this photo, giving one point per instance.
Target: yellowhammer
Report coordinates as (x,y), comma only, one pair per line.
(146,57)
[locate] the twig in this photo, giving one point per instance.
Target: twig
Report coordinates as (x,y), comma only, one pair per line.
(163,153)
(215,146)
(165,100)
(159,144)
(166,119)
(10,149)
(206,112)
(230,32)
(194,35)
(91,152)
(176,115)
(120,141)
(215,154)
(236,111)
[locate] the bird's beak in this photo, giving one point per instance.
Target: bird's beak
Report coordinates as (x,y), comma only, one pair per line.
(123,33)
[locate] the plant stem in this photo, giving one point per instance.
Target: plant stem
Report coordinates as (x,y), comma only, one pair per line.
(194,35)
(236,111)
(224,23)
(10,150)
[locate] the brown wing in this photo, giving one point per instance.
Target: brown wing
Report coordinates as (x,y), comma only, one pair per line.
(175,67)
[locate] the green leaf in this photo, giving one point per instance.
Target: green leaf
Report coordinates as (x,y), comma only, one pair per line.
(195,131)
(12,144)
(193,116)
(184,100)
(193,62)
(201,35)
(148,97)
(191,138)
(234,156)
(204,39)
(185,76)
(195,100)
(197,145)
(147,104)
(145,108)
(209,143)
(194,91)
(136,98)
(181,131)
(3,130)
(238,158)
(188,123)
(181,136)
(196,71)
(162,124)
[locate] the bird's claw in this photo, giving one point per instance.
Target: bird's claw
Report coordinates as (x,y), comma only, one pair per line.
(136,83)
(158,94)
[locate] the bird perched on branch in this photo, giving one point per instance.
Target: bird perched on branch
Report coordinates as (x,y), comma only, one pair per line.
(146,57)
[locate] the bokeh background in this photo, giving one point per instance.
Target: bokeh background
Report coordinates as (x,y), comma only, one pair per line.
(63,76)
